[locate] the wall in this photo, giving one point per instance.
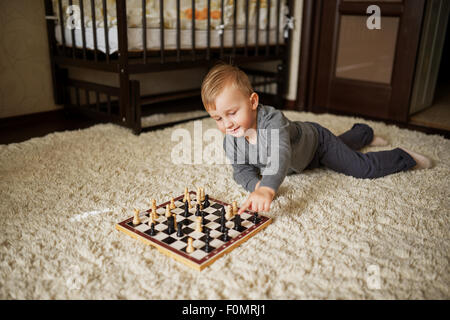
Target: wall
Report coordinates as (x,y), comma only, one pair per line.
(25,79)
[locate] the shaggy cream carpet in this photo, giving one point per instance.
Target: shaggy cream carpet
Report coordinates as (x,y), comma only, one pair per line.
(333,236)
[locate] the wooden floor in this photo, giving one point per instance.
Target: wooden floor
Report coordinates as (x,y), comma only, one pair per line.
(438,115)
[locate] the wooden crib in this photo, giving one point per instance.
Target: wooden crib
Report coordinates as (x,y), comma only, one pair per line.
(129,37)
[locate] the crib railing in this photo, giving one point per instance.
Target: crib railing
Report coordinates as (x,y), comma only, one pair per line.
(179,54)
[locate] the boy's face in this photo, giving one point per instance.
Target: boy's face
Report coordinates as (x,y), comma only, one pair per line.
(235,112)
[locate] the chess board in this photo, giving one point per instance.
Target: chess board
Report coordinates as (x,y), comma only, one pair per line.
(175,246)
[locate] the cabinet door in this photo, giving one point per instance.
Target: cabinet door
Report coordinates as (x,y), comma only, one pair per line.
(363,70)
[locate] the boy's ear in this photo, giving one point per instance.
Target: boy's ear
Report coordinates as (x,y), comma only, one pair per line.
(254,100)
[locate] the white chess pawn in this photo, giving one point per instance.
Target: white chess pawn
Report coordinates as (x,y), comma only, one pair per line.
(199,227)
(202,193)
(199,194)
(172,204)
(151,219)
(190,246)
(228,213)
(154,213)
(235,209)
(136,219)
(168,212)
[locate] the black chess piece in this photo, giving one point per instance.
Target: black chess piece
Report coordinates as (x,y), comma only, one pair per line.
(207,248)
(197,212)
(152,229)
(237,222)
(207,236)
(206,203)
(222,212)
(180,232)
(186,209)
(255,218)
(225,236)
(223,221)
(170,225)
(203,218)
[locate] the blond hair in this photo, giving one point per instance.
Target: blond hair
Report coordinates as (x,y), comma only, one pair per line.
(218,77)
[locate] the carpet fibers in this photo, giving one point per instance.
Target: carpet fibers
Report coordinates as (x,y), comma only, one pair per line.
(333,236)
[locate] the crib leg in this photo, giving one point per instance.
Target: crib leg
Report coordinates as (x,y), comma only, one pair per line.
(281,82)
(135,95)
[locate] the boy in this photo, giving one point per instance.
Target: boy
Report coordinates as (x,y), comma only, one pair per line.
(264,146)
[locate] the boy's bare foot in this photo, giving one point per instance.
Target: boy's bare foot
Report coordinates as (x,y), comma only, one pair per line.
(378,142)
(422,161)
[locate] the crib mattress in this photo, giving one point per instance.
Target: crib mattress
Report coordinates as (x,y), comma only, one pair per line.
(135,38)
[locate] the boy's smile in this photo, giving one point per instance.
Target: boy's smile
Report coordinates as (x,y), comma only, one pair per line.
(235,113)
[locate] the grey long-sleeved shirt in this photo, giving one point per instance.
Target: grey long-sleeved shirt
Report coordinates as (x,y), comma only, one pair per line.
(283,147)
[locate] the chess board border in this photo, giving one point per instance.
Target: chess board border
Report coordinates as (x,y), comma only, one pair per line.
(198,264)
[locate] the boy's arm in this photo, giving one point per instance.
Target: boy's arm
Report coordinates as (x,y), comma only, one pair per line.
(279,148)
(276,169)
(246,175)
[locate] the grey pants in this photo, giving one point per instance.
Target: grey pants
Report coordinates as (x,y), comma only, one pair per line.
(340,154)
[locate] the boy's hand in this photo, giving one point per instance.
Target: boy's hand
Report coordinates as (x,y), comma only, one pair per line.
(259,200)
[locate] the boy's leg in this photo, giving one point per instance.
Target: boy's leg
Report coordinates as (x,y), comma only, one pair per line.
(359,136)
(333,153)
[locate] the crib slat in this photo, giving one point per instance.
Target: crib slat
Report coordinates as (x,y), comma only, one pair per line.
(193,30)
(257,27)
(222,22)
(246,29)
(83,30)
(277,48)
(161,16)
(61,21)
(234,26)
(72,32)
(268,27)
(178,31)
(105,27)
(94,29)
(144,29)
(208,33)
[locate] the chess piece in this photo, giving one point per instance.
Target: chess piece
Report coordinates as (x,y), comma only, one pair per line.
(190,246)
(228,214)
(186,194)
(136,219)
(237,222)
(198,195)
(255,218)
(175,221)
(172,204)
(197,212)
(206,202)
(186,209)
(168,212)
(189,201)
(155,214)
(199,227)
(223,221)
(151,219)
(235,209)
(225,236)
(207,248)
(170,226)
(180,232)
(203,218)
(202,193)
(152,229)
